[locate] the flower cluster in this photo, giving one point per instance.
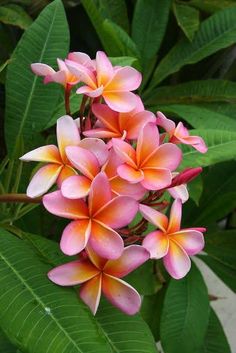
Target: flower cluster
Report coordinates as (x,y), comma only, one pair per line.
(115,162)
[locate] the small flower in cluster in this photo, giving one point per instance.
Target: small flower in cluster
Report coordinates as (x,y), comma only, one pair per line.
(110,169)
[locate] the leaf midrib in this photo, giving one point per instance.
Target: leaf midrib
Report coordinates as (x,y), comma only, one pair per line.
(18,275)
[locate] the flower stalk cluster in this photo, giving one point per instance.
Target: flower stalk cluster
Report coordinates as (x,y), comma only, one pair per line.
(111,165)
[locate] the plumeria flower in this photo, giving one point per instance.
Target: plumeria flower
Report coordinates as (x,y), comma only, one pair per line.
(98,275)
(94,223)
(62,76)
(179,191)
(59,167)
(180,134)
(112,83)
(119,125)
(150,164)
(170,242)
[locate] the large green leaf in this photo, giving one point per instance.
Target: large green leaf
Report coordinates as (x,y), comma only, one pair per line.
(212,6)
(200,117)
(221,147)
(149,25)
(30,103)
(116,11)
(185,314)
(215,340)
(215,33)
(5,345)
(15,15)
(193,92)
(187,18)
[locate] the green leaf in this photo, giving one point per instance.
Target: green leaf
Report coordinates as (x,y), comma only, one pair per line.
(123,45)
(123,61)
(15,15)
(195,189)
(215,340)
(221,147)
(149,25)
(200,117)
(215,33)
(193,92)
(187,18)
(226,273)
(185,314)
(212,6)
(29,103)
(5,345)
(37,315)
(116,11)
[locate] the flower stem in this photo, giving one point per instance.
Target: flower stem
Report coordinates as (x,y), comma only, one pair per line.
(67,98)
(23,198)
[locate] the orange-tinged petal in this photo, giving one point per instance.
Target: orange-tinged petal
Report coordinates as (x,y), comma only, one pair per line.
(132,257)
(175,217)
(84,160)
(47,153)
(179,192)
(65,173)
(156,179)
(155,217)
(120,186)
(125,152)
(76,187)
(83,73)
(166,156)
(191,240)
(133,175)
(125,79)
(134,124)
(157,243)
(67,134)
(73,273)
(100,193)
(120,101)
(90,293)
(104,68)
(107,116)
(177,262)
(43,179)
(60,206)
(148,142)
(97,147)
(75,237)
(121,294)
(105,241)
(97,260)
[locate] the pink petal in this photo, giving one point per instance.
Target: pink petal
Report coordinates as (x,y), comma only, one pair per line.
(132,257)
(125,79)
(148,142)
(80,58)
(125,152)
(59,77)
(47,153)
(60,206)
(99,196)
(106,116)
(167,124)
(75,187)
(156,179)
(104,68)
(67,134)
(179,192)
(65,173)
(101,133)
(135,123)
(130,174)
(117,213)
(97,260)
(175,217)
(90,293)
(73,273)
(43,179)
(84,160)
(196,142)
(157,243)
(42,69)
(192,241)
(166,156)
(120,186)
(155,217)
(75,237)
(120,101)
(105,241)
(97,147)
(93,93)
(121,294)
(177,262)
(83,73)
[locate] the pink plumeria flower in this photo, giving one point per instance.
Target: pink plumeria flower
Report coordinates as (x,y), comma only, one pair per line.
(150,164)
(98,275)
(62,76)
(180,134)
(119,125)
(112,83)
(170,242)
(59,167)
(93,223)
(121,186)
